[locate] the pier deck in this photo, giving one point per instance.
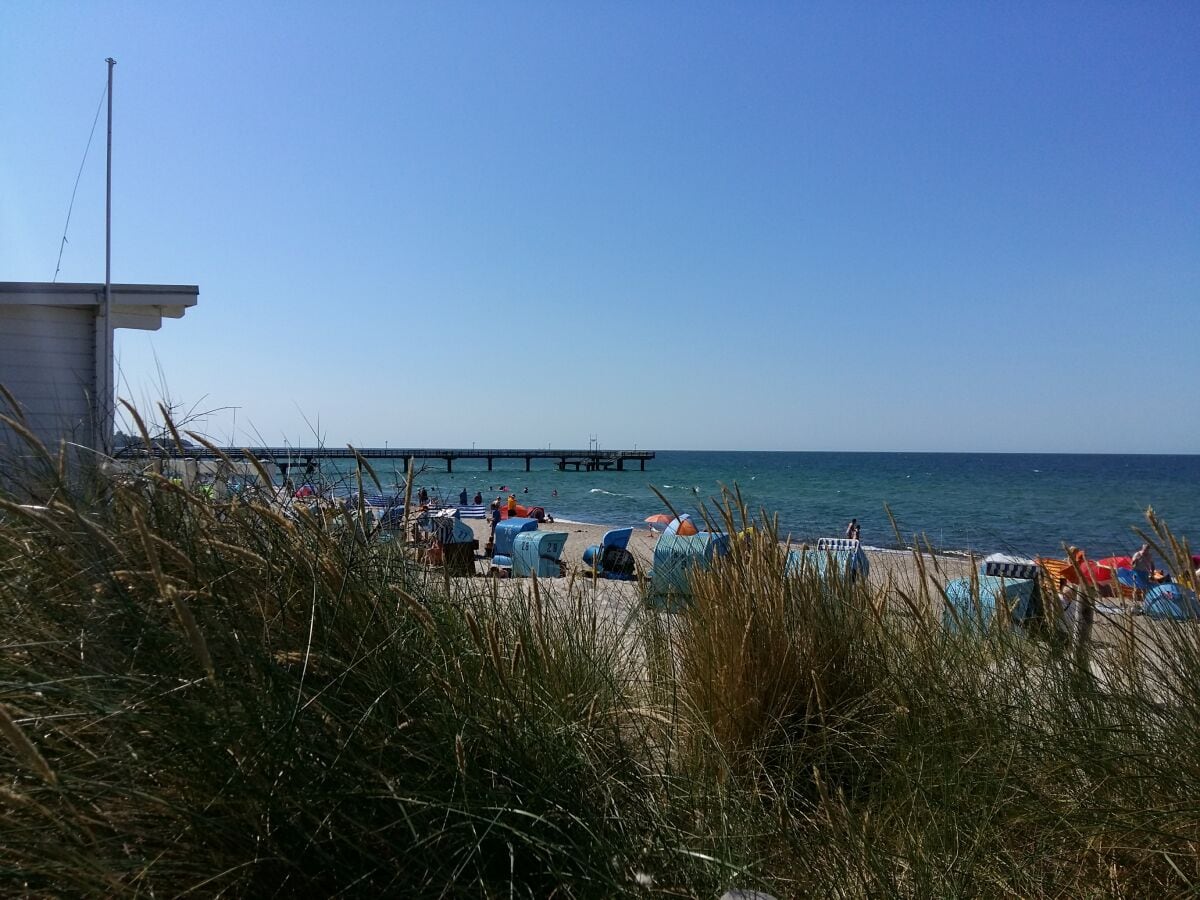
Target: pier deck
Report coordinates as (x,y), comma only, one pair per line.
(580,460)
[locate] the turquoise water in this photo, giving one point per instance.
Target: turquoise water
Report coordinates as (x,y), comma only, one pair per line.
(1028,503)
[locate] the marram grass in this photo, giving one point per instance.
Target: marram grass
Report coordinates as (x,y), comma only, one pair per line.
(215,699)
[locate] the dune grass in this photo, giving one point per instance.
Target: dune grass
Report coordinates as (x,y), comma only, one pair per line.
(202,698)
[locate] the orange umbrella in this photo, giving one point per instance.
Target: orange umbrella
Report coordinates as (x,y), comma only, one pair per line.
(658,521)
(682,526)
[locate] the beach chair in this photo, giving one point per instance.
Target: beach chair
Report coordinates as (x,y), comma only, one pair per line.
(506,536)
(609,558)
(844,554)
(537,553)
(1009,580)
(676,557)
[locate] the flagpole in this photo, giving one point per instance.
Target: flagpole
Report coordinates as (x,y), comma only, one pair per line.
(105,425)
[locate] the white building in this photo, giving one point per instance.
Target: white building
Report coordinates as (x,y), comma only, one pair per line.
(56,352)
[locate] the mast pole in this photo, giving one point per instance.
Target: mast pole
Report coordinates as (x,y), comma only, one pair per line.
(106,390)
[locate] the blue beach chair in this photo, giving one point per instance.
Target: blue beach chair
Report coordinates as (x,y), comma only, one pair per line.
(846,557)
(976,605)
(676,557)
(1011,580)
(506,536)
(537,553)
(610,558)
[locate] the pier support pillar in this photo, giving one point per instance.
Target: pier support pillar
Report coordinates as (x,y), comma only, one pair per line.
(620,465)
(643,465)
(527,464)
(489,464)
(449,463)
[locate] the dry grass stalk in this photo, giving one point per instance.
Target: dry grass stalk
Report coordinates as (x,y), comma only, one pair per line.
(24,748)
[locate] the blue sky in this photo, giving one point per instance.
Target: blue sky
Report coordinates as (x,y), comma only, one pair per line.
(785,226)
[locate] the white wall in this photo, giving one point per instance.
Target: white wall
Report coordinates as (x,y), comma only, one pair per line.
(47,360)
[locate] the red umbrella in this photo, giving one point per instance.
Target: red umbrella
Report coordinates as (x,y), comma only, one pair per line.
(1112,563)
(1088,571)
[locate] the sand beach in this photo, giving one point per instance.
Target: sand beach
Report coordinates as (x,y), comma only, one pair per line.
(898,566)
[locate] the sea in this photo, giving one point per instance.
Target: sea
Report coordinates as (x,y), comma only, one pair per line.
(969,502)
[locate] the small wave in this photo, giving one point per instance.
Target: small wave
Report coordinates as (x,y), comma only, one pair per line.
(602,491)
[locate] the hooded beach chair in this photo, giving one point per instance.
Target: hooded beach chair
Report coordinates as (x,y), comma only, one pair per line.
(506,536)
(676,558)
(1009,580)
(537,553)
(609,558)
(845,554)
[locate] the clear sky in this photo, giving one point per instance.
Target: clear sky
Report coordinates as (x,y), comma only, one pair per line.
(809,226)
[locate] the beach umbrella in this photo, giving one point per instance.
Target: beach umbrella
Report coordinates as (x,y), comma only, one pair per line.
(658,522)
(682,526)
(1112,563)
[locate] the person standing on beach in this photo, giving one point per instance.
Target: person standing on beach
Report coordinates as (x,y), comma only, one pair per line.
(478,499)
(852,530)
(512,506)
(1143,561)
(494,519)
(462,497)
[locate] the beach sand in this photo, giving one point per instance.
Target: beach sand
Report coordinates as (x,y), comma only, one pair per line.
(892,573)
(898,566)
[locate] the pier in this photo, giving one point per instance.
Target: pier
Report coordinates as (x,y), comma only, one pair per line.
(591,460)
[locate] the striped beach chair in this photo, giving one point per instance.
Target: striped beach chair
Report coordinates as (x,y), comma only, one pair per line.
(676,558)
(842,555)
(1008,586)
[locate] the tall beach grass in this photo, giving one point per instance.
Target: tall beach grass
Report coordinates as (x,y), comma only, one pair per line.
(215,698)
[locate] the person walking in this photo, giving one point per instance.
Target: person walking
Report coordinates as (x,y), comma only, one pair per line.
(494,520)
